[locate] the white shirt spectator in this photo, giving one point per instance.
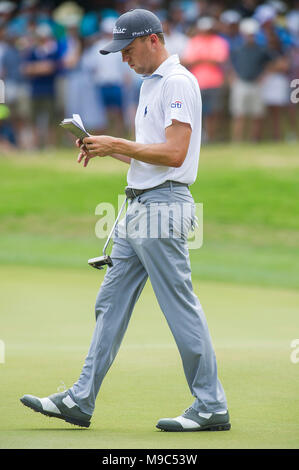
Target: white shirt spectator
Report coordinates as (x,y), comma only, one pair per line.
(175,42)
(108,69)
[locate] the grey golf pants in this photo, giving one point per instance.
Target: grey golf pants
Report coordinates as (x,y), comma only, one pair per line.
(165,260)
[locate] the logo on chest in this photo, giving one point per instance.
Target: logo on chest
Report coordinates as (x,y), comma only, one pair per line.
(145,111)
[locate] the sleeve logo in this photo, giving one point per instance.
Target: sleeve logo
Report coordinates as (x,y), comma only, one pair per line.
(176,104)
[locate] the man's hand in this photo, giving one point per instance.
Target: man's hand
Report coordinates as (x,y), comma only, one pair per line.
(94,146)
(171,153)
(84,154)
(99,145)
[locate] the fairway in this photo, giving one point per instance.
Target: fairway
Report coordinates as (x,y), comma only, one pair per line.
(47,332)
(246,276)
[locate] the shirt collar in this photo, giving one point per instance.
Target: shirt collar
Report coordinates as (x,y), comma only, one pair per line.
(162,69)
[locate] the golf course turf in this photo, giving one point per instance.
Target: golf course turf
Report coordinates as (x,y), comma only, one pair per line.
(246,276)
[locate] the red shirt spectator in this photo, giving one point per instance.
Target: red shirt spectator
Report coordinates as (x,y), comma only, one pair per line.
(205,54)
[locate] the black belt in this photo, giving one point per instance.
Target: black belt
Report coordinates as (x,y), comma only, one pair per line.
(131,193)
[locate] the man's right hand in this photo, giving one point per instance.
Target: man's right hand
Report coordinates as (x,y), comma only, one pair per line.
(83,151)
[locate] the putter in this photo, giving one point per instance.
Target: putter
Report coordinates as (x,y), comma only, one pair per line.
(101,261)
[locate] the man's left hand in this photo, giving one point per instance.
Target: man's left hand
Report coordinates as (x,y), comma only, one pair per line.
(99,145)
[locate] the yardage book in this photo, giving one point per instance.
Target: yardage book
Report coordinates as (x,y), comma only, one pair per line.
(75,126)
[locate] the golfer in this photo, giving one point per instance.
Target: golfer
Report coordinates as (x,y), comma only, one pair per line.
(163,164)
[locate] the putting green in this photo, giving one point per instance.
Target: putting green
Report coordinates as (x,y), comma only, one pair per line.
(46,323)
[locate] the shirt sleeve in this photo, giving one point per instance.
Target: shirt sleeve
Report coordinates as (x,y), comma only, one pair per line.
(179,99)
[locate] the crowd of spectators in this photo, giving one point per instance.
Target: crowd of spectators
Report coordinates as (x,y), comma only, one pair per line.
(244,54)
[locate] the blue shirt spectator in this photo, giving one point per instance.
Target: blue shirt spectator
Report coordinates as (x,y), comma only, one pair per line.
(42,63)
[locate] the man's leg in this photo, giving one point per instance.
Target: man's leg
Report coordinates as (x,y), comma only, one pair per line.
(118,294)
(167,263)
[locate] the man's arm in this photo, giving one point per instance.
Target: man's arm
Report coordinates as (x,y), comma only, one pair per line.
(171,153)
(83,153)
(121,158)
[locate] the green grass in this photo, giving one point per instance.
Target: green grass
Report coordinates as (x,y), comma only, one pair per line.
(47,322)
(249,194)
(246,276)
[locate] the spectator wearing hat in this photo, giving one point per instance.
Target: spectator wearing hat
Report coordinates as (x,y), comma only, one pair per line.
(10,72)
(6,12)
(40,68)
(276,86)
(205,56)
(229,28)
(292,21)
(175,41)
(248,63)
(246,7)
(109,76)
(79,76)
(24,17)
(266,16)
(293,56)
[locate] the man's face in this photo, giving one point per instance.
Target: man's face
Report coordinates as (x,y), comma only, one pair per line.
(138,54)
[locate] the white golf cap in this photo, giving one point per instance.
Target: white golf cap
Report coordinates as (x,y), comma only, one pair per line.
(279,6)
(6,7)
(205,23)
(230,17)
(107,25)
(264,13)
(43,30)
(249,26)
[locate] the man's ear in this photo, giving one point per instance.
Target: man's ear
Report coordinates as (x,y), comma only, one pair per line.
(154,39)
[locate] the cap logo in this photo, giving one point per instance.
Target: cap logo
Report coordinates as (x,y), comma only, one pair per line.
(119,30)
(142,33)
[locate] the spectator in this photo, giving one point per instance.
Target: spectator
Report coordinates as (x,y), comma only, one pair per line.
(40,68)
(246,8)
(11,74)
(175,41)
(25,16)
(110,89)
(229,28)
(3,48)
(70,49)
(248,63)
(205,55)
(284,45)
(7,135)
(276,85)
(6,12)
(109,75)
(79,77)
(293,111)
(266,16)
(292,21)
(176,16)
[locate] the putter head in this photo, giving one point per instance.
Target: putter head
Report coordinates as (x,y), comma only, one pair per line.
(100,262)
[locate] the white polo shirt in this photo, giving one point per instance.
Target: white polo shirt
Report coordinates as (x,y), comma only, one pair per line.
(171,92)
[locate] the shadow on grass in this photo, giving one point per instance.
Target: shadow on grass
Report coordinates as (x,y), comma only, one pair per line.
(54,429)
